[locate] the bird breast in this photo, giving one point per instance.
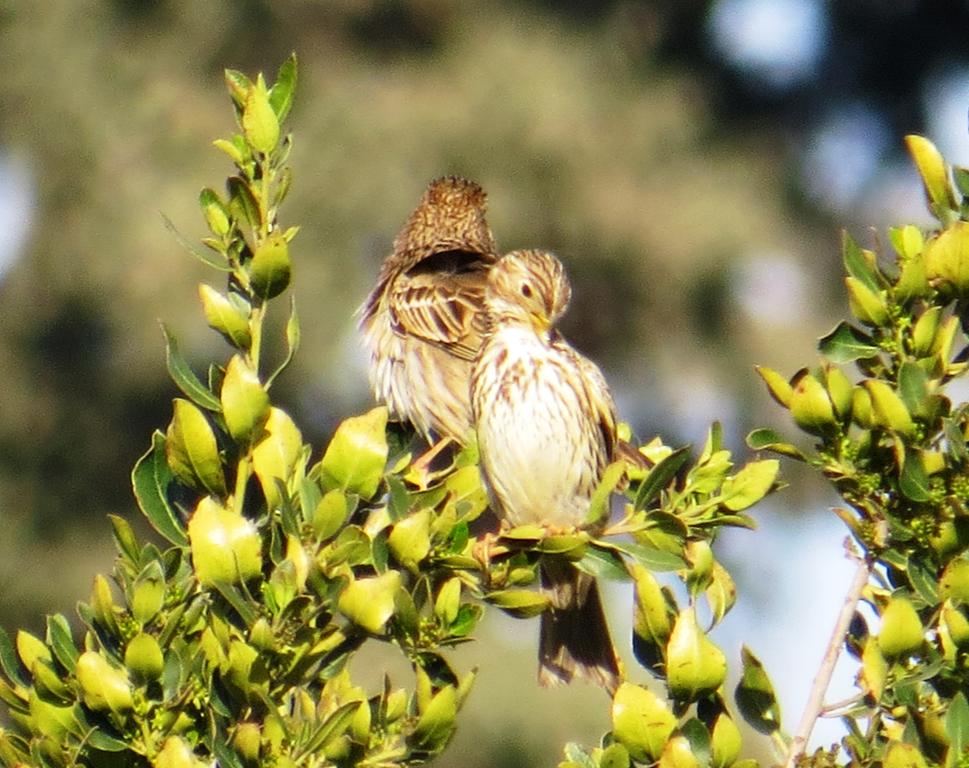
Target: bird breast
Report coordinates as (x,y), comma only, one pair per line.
(540,448)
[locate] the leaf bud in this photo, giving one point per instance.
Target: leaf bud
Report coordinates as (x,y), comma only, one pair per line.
(246,741)
(861,407)
(901,629)
(954,584)
(777,385)
(839,390)
(811,406)
(270,268)
(143,657)
(176,753)
(695,666)
(641,722)
(678,754)
(103,687)
(956,624)
(224,317)
(31,648)
(245,403)
(226,547)
(888,409)
(410,540)
(947,260)
(866,305)
(725,742)
(902,755)
(148,595)
(931,167)
(924,331)
(369,602)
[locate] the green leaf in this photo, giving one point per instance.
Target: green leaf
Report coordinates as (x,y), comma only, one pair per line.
(281,94)
(955,440)
(210,260)
(104,742)
(214,210)
(602,562)
(867,305)
(293,337)
(242,201)
(857,264)
(913,386)
(650,557)
(436,723)
(957,728)
(750,484)
(923,581)
(330,514)
(913,480)
(192,451)
(9,661)
(652,617)
(660,476)
(333,727)
(755,696)
(355,458)
(125,539)
(888,409)
(61,642)
(150,479)
(765,439)
(846,344)
(238,85)
(183,376)
(223,316)
(614,756)
(641,722)
(874,670)
(599,504)
(520,603)
(721,593)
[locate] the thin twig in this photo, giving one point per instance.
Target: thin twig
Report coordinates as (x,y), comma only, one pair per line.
(815,703)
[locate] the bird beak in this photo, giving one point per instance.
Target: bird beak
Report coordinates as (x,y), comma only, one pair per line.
(540,322)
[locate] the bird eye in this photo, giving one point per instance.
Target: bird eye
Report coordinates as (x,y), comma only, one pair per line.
(526,290)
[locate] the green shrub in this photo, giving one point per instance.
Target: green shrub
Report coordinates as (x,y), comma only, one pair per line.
(231,642)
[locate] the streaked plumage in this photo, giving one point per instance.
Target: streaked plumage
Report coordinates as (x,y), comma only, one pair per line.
(422,322)
(546,428)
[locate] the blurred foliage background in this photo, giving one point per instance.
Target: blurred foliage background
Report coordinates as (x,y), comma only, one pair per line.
(690,161)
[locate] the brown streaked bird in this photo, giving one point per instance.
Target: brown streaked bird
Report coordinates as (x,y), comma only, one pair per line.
(546,426)
(422,323)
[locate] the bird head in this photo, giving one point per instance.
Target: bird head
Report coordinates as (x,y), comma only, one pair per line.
(528,287)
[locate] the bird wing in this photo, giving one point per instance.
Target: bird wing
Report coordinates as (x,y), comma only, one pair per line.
(603,406)
(441,309)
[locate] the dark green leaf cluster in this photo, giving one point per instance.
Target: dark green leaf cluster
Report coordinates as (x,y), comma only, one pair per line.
(893,444)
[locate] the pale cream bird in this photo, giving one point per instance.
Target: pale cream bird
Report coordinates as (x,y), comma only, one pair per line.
(546,428)
(422,323)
